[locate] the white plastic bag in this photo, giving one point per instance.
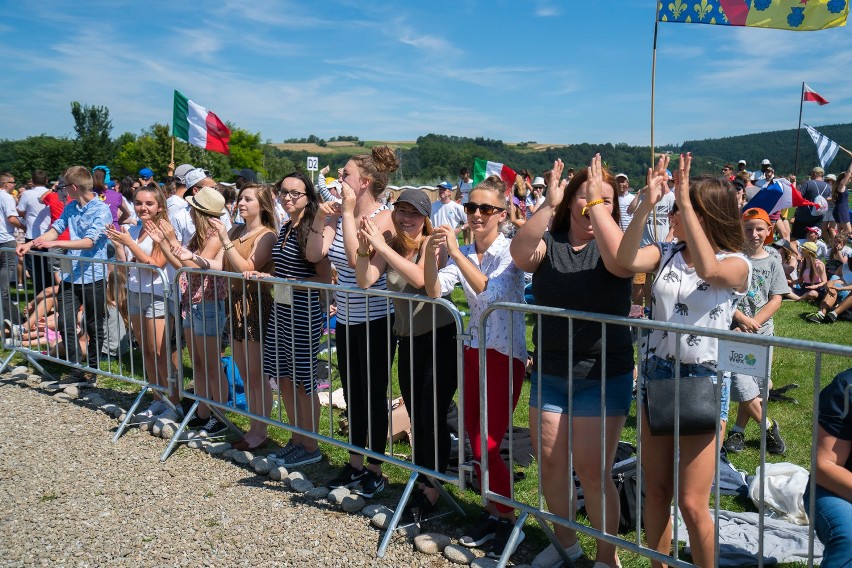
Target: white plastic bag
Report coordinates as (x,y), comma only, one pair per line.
(784,492)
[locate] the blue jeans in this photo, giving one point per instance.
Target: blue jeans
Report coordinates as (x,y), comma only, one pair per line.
(833,524)
(657,369)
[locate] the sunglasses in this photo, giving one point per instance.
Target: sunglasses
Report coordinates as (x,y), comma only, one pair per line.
(488,210)
(293,195)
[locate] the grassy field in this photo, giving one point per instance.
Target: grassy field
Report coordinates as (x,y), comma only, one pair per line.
(794,420)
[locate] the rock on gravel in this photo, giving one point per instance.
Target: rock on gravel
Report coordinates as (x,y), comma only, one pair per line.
(301,485)
(72,391)
(261,466)
(278,473)
(458,554)
(62,397)
(381,520)
(336,496)
(353,503)
(373,509)
(217,448)
(242,458)
(317,493)
(431,543)
(484,563)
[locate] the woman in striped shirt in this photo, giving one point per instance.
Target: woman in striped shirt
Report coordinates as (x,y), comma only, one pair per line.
(365,344)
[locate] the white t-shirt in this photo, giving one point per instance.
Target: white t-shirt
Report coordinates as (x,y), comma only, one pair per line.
(180,219)
(822,248)
(659,230)
(143,280)
(464,189)
(451,214)
(680,296)
(7,209)
(624,201)
(36,214)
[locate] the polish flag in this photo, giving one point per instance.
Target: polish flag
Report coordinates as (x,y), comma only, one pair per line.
(812,96)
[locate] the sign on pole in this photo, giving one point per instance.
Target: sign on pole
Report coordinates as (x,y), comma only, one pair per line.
(313,165)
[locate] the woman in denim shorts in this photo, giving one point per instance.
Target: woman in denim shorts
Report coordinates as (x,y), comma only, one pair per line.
(699,282)
(146,304)
(202,302)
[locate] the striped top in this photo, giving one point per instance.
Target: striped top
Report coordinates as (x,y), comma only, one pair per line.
(352,307)
(288,258)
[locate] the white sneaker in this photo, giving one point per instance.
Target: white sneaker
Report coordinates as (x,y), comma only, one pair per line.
(158,407)
(550,557)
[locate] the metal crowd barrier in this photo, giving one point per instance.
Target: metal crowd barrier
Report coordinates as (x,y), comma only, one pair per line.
(246,296)
(100,279)
(748,341)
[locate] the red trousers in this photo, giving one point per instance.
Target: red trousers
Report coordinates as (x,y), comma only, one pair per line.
(499,414)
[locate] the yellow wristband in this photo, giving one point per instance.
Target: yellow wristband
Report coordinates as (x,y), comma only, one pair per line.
(591,204)
(362,254)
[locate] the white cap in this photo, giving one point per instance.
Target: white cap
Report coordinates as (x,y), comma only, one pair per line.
(622,175)
(182,170)
(538,182)
(765,162)
(193,177)
(741,162)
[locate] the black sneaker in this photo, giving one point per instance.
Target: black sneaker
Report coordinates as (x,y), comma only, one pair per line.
(501,539)
(735,442)
(76,378)
(481,532)
(815,318)
(371,484)
(212,427)
(197,422)
(830,317)
(348,477)
(774,443)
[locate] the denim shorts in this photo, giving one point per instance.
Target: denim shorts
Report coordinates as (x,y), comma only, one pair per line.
(838,282)
(659,369)
(150,306)
(206,319)
(586,394)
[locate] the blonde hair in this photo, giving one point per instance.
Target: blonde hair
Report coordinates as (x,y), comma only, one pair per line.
(80,177)
(268,217)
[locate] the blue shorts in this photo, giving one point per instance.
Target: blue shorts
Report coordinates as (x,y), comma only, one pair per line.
(838,282)
(659,369)
(586,395)
(206,319)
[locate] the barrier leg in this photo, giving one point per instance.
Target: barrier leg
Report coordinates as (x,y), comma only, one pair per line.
(445,495)
(555,541)
(6,361)
(513,541)
(176,437)
(38,367)
(397,514)
(129,415)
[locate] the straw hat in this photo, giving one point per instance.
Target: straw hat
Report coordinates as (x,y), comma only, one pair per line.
(208,201)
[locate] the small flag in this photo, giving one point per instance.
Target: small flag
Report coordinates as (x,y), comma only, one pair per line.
(777,196)
(812,96)
(198,126)
(826,149)
(798,15)
(483,168)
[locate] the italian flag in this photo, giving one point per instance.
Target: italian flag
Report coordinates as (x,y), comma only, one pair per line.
(483,168)
(811,96)
(198,126)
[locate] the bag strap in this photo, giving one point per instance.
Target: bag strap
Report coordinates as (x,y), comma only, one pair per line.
(664,261)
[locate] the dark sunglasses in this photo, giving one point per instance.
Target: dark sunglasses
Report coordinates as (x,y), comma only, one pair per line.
(487,210)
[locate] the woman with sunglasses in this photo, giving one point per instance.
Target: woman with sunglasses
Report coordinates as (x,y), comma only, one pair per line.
(700,281)
(292,338)
(574,267)
(487,274)
(427,389)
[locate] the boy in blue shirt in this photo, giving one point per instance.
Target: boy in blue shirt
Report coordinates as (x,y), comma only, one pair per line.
(83,283)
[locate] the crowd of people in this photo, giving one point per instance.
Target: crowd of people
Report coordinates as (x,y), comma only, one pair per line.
(682,249)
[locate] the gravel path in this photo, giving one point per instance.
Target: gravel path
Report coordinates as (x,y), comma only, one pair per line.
(69,496)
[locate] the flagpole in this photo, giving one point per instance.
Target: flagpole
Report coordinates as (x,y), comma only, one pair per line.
(172,160)
(799,130)
(654,77)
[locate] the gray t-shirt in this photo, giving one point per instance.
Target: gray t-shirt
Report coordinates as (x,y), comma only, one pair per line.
(767,279)
(656,229)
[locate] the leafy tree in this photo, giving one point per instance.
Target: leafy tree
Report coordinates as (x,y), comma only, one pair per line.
(246,151)
(93,127)
(48,153)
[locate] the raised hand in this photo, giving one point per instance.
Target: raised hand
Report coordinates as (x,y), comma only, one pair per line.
(347,194)
(446,235)
(220,228)
(119,237)
(371,233)
(329,208)
(555,184)
(154,232)
(595,184)
(323,172)
(681,178)
(168,231)
(656,181)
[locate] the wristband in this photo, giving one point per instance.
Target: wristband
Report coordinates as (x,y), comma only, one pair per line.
(228,247)
(591,204)
(362,254)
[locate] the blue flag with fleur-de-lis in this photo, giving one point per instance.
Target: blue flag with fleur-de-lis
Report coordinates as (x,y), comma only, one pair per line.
(797,15)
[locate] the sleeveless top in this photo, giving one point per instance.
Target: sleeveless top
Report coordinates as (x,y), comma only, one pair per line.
(352,307)
(244,248)
(422,321)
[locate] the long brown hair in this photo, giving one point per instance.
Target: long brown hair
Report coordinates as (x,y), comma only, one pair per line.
(306,222)
(715,200)
(268,217)
(202,229)
(404,244)
(562,215)
(376,166)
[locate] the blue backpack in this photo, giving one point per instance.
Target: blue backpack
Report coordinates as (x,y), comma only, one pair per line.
(236,388)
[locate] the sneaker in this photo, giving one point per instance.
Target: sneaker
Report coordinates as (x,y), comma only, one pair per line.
(830,317)
(299,456)
(76,378)
(196,422)
(371,484)
(158,407)
(550,557)
(735,442)
(815,318)
(481,532)
(348,477)
(774,443)
(501,539)
(150,413)
(280,456)
(213,427)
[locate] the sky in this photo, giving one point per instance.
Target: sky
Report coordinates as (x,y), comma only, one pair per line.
(550,71)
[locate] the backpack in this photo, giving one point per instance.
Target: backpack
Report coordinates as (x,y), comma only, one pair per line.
(821,206)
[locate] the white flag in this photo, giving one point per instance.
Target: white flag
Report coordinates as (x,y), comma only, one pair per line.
(826,149)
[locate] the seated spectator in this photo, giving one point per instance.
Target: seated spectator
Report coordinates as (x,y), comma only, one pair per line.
(837,298)
(814,235)
(812,275)
(833,496)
